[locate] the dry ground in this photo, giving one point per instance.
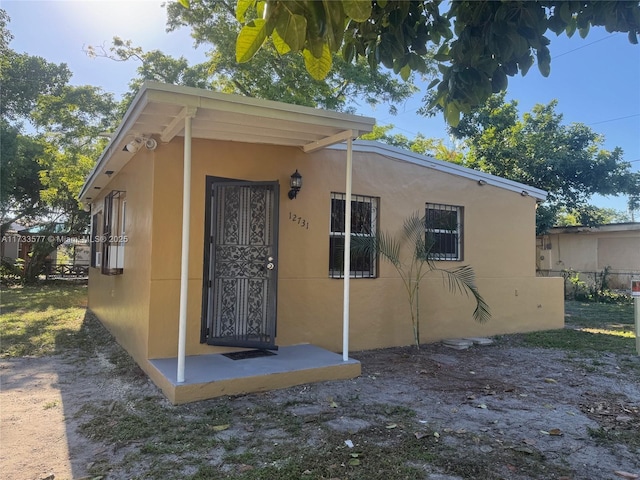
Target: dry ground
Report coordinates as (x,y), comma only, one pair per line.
(504,411)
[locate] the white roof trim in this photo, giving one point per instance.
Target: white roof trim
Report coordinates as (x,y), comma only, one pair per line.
(606,228)
(395,153)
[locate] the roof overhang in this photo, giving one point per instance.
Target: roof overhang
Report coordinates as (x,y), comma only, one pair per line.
(158,111)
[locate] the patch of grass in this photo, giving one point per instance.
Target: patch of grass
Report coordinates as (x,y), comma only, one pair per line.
(399,412)
(99,468)
(247,457)
(400,457)
(150,419)
(581,341)
(42,320)
(630,363)
(206,472)
(592,328)
(611,317)
(330,460)
(166,436)
(50,405)
(613,437)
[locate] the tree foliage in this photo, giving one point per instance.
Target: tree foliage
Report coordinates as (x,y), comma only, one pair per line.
(24,77)
(276,76)
(602,216)
(479,43)
(154,65)
(20,183)
(50,139)
(433,147)
(539,150)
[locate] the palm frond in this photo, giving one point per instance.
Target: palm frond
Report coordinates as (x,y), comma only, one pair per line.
(389,248)
(413,229)
(463,280)
(384,244)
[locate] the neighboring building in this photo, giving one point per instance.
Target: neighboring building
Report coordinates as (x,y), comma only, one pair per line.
(261,266)
(81,255)
(10,242)
(590,250)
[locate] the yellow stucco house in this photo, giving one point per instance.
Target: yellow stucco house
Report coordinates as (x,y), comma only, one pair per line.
(590,250)
(249,262)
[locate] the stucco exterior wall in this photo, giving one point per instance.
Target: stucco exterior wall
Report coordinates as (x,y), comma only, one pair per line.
(593,250)
(498,236)
(621,252)
(122,301)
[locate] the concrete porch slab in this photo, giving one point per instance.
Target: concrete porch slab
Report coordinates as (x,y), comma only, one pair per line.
(209,376)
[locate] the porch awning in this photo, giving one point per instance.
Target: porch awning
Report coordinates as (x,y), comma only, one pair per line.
(158,111)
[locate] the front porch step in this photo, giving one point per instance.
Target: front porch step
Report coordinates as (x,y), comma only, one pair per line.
(214,375)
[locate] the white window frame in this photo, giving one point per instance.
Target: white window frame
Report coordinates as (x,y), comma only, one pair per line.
(96,238)
(113,237)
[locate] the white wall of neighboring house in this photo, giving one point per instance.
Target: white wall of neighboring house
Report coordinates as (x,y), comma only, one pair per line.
(10,246)
(591,250)
(82,255)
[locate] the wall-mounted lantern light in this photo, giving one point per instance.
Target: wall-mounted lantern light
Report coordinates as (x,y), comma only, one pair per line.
(296,184)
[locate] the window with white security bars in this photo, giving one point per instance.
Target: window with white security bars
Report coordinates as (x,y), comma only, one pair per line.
(443,231)
(364,223)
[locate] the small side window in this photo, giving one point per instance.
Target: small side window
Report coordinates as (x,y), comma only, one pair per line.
(113,233)
(96,240)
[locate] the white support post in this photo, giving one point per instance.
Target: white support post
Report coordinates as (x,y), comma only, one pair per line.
(184,266)
(636,302)
(347,252)
(635,293)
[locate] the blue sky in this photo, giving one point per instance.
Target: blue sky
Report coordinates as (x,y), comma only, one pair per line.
(596,80)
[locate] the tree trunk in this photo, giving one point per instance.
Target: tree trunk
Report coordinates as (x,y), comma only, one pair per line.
(35,264)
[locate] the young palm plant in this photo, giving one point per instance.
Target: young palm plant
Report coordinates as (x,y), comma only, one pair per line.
(415,261)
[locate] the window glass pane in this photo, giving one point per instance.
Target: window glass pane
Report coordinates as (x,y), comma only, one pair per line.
(445,243)
(361,217)
(336,256)
(337,215)
(112,259)
(96,232)
(123,230)
(442,219)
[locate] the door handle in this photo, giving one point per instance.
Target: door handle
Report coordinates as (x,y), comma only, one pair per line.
(270,266)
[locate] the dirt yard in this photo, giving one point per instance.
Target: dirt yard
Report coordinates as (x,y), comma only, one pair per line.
(502,411)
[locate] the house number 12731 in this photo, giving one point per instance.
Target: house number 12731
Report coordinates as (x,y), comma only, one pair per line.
(299,220)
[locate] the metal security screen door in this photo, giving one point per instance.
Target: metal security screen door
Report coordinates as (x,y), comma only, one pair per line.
(239,295)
